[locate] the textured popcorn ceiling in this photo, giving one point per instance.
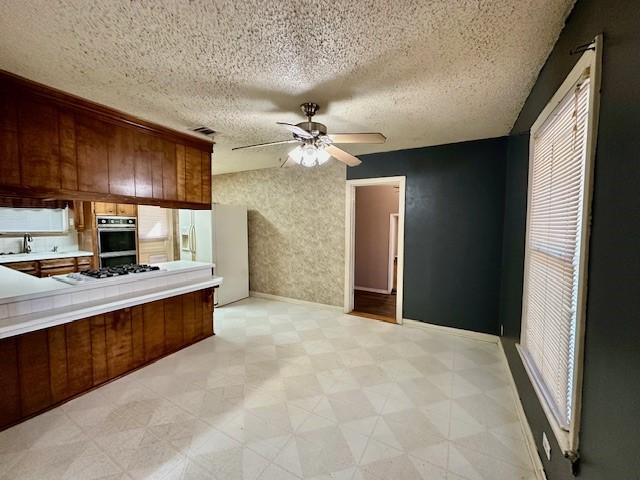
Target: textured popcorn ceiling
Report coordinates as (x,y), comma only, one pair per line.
(423,72)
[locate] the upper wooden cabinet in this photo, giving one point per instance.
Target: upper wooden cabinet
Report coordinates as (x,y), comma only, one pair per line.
(58,146)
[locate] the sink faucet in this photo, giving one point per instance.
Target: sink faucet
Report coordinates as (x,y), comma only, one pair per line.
(26,243)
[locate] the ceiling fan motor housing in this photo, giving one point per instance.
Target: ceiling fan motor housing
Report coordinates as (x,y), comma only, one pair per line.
(309,109)
(314,128)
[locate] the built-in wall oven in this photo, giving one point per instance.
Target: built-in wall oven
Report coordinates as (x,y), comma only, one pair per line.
(117,241)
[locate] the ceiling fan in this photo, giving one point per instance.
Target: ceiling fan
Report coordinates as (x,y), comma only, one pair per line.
(315,145)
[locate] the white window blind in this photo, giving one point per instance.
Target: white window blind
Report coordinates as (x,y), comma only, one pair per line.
(153,223)
(553,249)
(34,220)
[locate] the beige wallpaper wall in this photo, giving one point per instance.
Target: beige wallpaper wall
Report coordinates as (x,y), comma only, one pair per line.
(296,229)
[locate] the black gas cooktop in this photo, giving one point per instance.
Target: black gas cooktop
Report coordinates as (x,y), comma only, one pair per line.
(108,272)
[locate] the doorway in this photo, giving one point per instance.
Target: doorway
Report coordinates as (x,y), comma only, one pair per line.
(374,238)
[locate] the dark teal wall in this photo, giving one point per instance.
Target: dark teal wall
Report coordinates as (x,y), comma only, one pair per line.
(453,229)
(610,438)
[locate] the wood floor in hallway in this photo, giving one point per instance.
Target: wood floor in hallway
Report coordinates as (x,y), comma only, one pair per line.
(381,305)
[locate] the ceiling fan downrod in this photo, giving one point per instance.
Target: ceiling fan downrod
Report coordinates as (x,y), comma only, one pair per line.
(309,109)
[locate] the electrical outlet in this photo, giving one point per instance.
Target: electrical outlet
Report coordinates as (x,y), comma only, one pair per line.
(502,330)
(546,446)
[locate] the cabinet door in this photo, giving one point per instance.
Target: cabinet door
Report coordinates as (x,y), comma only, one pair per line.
(173,324)
(33,365)
(119,343)
(9,382)
(39,144)
(126,210)
(193,175)
(30,268)
(153,330)
(181,180)
(92,152)
(50,272)
(9,158)
(148,166)
(122,158)
(206,177)
(102,208)
(68,160)
(170,186)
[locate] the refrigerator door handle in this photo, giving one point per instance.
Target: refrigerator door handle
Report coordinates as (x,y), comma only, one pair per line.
(194,242)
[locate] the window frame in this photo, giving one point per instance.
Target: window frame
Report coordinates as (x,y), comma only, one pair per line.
(590,61)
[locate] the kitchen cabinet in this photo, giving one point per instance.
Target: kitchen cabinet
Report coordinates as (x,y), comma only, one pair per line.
(50,267)
(103,208)
(40,369)
(58,146)
(117,209)
(126,210)
(57,266)
(31,268)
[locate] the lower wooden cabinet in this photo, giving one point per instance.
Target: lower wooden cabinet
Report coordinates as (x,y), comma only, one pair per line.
(41,369)
(48,268)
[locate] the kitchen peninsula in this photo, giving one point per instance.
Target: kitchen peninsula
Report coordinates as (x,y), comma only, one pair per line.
(79,166)
(59,339)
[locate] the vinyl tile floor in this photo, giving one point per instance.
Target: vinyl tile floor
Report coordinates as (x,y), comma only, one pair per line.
(288,391)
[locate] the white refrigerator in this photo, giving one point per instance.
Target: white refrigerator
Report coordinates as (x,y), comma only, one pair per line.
(220,237)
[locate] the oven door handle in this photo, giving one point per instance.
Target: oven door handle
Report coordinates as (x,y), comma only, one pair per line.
(119,229)
(121,253)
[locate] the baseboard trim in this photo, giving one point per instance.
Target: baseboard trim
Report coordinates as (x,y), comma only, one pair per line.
(484,337)
(278,298)
(372,290)
(524,424)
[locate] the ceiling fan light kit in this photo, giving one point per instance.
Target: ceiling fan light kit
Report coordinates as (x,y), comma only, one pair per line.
(315,146)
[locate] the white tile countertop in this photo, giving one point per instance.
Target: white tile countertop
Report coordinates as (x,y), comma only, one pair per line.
(29,303)
(26,257)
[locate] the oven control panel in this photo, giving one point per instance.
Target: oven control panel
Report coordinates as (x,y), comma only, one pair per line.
(116,221)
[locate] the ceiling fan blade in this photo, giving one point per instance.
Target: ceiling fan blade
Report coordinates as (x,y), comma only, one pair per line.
(357,137)
(301,132)
(257,145)
(289,162)
(343,156)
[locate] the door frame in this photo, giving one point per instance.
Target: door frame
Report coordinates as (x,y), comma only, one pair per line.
(350,238)
(394,222)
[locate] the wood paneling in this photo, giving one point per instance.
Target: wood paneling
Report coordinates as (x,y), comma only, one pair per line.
(137,334)
(153,330)
(207,312)
(9,153)
(193,175)
(33,368)
(126,210)
(39,144)
(92,153)
(206,177)
(119,343)
(46,367)
(122,161)
(173,324)
(105,208)
(9,382)
(31,268)
(57,146)
(58,363)
(99,348)
(181,179)
(170,172)
(192,326)
(68,161)
(79,356)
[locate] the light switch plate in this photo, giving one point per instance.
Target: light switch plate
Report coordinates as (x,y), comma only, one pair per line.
(546,446)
